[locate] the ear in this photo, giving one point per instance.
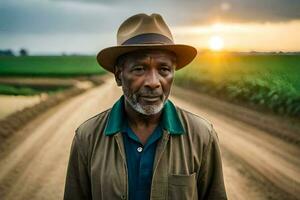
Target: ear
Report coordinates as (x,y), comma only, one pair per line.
(118,73)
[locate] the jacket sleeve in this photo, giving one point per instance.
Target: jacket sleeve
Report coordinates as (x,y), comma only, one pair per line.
(210,180)
(77,185)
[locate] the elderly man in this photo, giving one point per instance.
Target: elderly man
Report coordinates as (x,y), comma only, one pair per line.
(145,147)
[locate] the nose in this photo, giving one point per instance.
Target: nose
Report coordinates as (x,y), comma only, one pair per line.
(152,80)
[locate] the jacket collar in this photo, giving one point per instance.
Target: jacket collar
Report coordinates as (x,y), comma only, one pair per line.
(171,121)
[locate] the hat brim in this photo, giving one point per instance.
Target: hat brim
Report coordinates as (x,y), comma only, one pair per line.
(108,56)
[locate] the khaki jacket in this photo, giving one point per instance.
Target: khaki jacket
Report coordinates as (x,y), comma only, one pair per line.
(186,166)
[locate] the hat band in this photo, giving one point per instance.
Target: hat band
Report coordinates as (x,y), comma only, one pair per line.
(148,38)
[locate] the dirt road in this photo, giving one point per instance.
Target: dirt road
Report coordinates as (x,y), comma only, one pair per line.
(33,161)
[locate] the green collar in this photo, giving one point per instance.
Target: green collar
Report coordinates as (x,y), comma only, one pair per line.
(171,121)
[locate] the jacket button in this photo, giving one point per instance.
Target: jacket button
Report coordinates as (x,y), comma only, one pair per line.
(123,197)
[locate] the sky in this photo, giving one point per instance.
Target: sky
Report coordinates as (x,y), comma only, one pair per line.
(87,26)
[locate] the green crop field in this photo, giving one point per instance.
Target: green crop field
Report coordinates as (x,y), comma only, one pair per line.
(49,66)
(264,81)
(45,66)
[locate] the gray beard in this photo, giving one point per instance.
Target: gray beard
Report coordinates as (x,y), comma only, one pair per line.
(143,109)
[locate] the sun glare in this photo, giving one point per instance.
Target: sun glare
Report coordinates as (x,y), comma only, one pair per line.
(216,43)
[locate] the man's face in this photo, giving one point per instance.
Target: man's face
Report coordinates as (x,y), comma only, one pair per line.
(146,78)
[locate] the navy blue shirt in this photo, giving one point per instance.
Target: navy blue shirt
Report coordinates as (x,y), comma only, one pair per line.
(140,160)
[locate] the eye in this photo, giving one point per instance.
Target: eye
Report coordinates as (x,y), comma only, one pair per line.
(138,69)
(165,69)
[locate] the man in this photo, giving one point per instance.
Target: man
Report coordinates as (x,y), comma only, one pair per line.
(145,147)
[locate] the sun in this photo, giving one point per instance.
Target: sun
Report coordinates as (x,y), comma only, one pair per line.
(216,43)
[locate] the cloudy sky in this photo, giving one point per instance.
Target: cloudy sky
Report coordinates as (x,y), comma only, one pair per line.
(86,26)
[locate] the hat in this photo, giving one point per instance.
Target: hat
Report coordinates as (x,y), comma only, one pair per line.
(141,32)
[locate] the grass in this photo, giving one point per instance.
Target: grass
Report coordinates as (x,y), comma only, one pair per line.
(45,66)
(26,90)
(49,66)
(264,81)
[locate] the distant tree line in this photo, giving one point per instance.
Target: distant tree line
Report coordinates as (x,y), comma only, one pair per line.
(9,52)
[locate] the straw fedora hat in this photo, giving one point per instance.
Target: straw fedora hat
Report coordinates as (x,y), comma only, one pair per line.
(140,32)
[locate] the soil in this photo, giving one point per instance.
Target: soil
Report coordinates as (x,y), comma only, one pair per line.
(10,104)
(256,164)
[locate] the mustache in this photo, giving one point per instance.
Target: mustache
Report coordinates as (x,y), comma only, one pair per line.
(150,93)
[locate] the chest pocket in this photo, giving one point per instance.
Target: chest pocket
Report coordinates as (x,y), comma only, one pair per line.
(181,187)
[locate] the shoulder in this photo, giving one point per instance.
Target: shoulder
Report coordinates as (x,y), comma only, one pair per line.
(92,127)
(197,128)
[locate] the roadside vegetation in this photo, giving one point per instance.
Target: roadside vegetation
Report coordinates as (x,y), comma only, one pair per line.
(28,90)
(44,66)
(268,82)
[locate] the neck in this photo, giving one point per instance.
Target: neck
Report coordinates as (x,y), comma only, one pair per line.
(136,119)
